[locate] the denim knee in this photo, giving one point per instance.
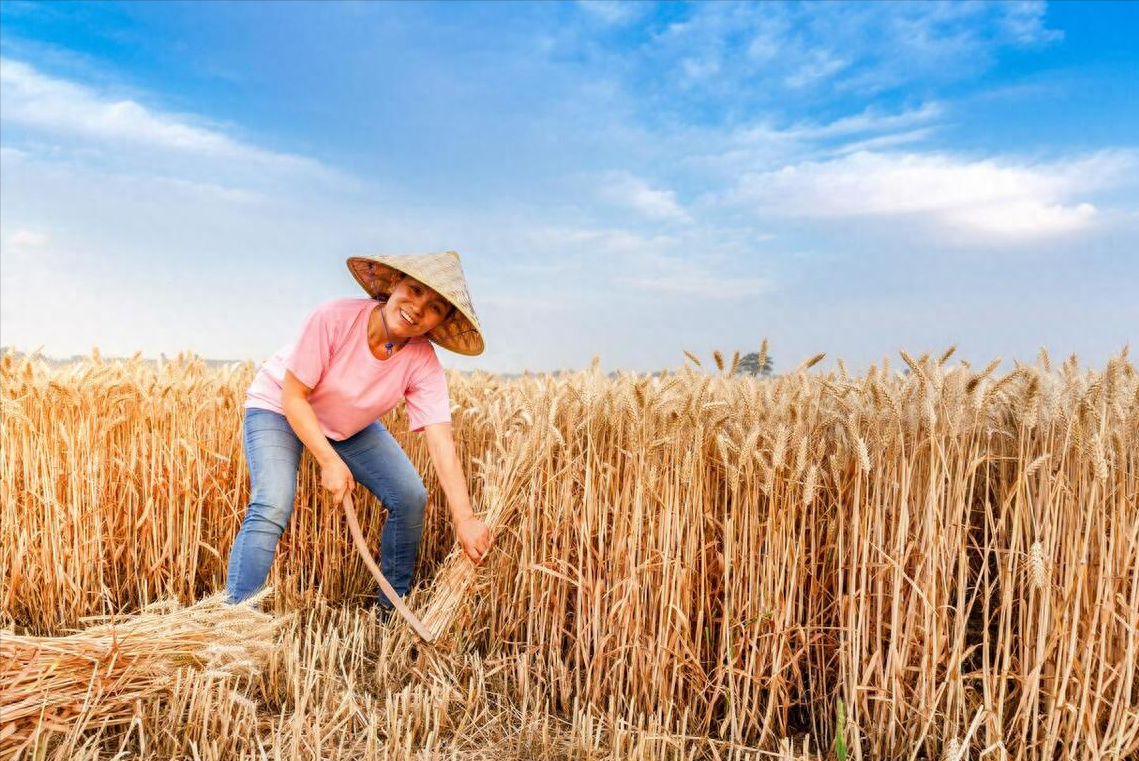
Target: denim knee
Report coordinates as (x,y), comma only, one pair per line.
(409,502)
(271,505)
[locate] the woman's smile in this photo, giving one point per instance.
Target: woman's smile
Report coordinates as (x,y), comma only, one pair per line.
(405,321)
(413,309)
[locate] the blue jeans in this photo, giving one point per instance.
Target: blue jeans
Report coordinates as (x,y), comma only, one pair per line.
(273,453)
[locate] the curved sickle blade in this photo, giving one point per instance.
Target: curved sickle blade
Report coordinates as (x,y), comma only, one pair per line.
(362,548)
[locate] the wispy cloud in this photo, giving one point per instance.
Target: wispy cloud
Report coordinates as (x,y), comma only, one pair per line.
(765,145)
(744,54)
(871,119)
(886,141)
(626,189)
(688,276)
(695,262)
(610,11)
(817,66)
(999,198)
(1023,22)
(56,106)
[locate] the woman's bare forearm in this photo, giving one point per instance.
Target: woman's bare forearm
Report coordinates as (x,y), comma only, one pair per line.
(441,447)
(303,420)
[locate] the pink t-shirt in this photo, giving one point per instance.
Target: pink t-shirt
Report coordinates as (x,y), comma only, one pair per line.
(350,387)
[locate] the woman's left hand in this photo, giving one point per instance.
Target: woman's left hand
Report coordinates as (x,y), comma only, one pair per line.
(475,538)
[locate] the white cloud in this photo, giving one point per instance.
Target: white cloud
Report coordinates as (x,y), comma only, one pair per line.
(886,141)
(767,51)
(1024,22)
(1023,219)
(28,239)
(57,106)
(634,192)
(697,69)
(610,11)
(818,65)
(996,198)
(869,120)
(762,146)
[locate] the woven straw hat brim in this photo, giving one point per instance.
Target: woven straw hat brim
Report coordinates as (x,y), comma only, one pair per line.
(443,273)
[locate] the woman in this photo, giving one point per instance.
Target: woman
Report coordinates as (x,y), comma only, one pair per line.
(353,362)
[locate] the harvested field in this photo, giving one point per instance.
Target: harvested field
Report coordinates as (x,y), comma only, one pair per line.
(689,565)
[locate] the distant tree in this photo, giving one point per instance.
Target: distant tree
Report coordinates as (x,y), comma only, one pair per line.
(749,364)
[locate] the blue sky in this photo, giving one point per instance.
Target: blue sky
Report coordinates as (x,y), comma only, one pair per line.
(626,180)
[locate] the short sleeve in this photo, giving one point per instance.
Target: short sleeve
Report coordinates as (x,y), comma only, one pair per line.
(310,355)
(426,396)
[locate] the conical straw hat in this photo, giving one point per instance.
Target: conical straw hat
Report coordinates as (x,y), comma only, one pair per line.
(441,272)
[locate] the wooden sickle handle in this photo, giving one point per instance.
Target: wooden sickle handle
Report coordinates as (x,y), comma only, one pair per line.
(362,548)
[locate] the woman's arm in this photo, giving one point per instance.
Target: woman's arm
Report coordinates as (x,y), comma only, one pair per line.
(474,536)
(335,475)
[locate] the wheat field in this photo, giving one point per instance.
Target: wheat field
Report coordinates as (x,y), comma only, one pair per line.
(924,562)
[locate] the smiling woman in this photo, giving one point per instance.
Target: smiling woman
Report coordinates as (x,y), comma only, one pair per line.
(418,310)
(352,363)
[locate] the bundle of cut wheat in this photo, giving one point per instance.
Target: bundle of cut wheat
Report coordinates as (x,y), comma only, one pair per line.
(58,688)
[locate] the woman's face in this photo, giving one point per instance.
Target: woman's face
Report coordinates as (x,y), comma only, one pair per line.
(412,300)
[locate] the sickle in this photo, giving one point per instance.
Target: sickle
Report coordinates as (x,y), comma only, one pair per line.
(362,548)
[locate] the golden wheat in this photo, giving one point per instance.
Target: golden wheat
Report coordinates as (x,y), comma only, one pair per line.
(686,567)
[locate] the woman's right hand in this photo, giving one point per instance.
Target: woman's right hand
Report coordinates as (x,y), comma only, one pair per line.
(337,478)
